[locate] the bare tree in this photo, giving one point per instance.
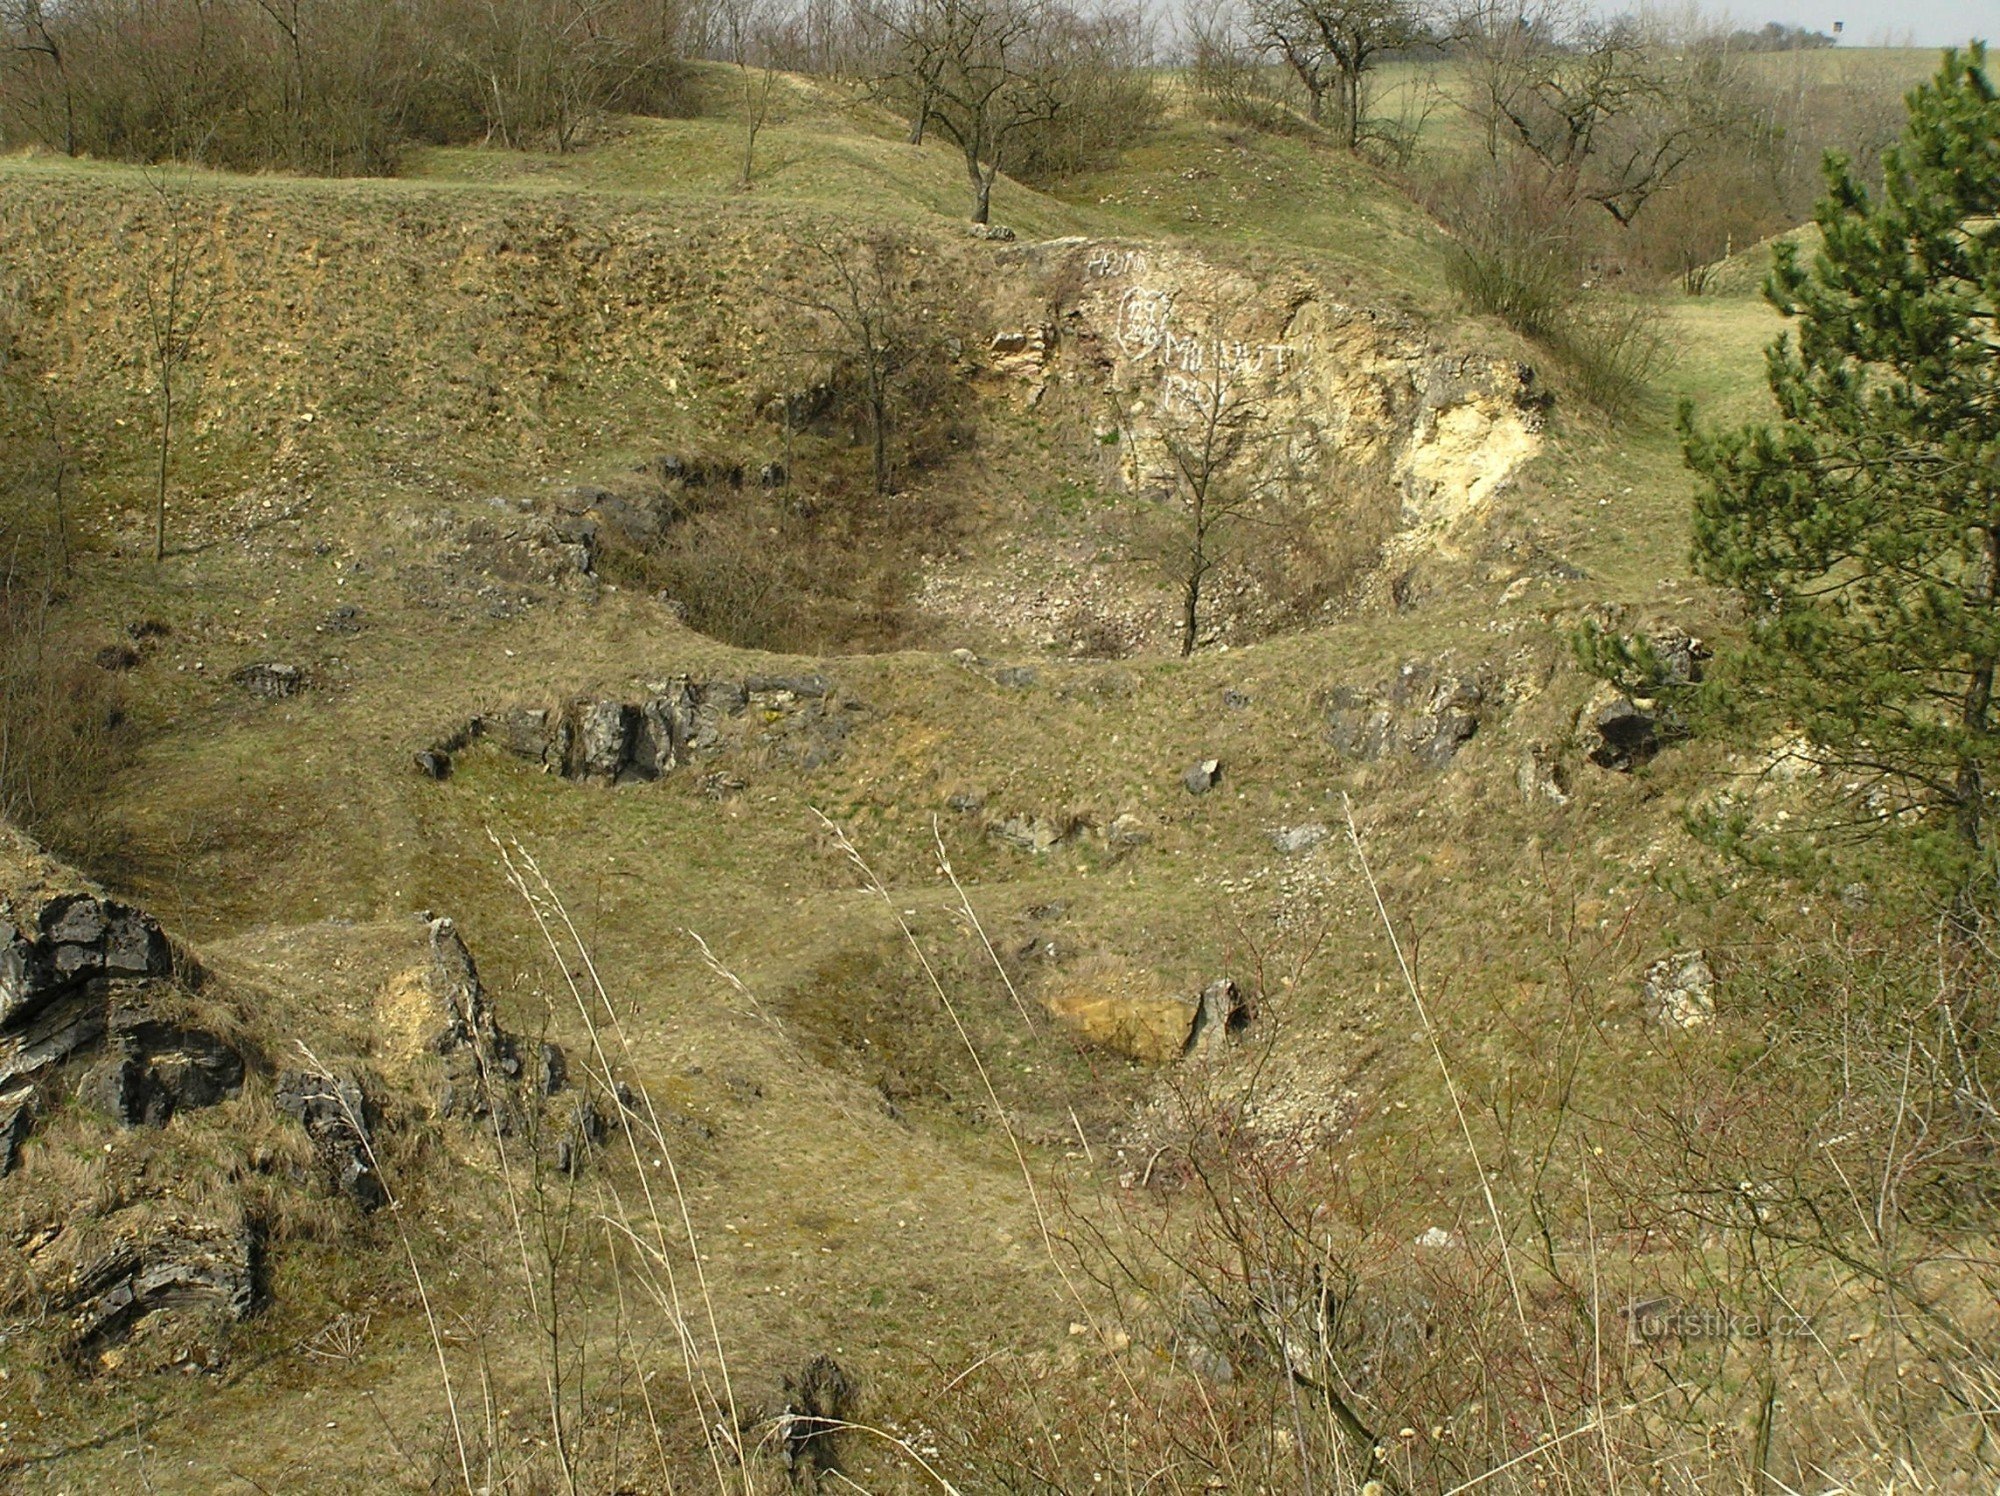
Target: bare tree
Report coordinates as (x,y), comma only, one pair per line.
(1613,113)
(1331,46)
(981,71)
(174,309)
(1216,449)
(30,36)
(747,24)
(857,308)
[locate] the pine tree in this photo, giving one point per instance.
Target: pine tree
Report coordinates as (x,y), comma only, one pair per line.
(1862,526)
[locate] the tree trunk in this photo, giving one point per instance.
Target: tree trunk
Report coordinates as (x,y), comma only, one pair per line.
(1191,610)
(160,492)
(982,194)
(1975,714)
(878,432)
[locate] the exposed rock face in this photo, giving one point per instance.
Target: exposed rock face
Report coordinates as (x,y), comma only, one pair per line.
(85,980)
(1116,1007)
(799,720)
(482,1071)
(1037,834)
(1424,711)
(1541,777)
(149,1070)
(203,1281)
(1148,325)
(1679,991)
(69,940)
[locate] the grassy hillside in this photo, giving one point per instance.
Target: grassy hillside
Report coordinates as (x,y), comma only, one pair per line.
(393,378)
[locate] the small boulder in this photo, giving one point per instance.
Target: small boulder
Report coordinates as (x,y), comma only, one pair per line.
(1627,735)
(1200,778)
(1220,1013)
(1292,840)
(271,680)
(1679,991)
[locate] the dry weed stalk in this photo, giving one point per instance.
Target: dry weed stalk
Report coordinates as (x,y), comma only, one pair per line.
(548,911)
(394,1206)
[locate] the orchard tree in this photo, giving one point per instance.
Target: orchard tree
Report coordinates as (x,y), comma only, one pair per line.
(1331,46)
(1862,526)
(981,72)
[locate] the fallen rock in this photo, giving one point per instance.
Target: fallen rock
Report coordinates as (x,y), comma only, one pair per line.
(1292,840)
(271,680)
(1127,830)
(1679,991)
(1200,778)
(1222,1012)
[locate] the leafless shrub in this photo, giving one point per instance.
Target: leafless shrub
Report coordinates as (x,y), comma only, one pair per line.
(331,86)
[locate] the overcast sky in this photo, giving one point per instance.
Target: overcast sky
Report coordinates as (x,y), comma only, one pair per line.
(1920,23)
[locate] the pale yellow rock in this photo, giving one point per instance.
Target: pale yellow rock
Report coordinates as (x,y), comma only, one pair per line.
(1119,1008)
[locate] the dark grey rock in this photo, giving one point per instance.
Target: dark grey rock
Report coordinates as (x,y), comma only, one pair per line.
(554,1069)
(433,764)
(1424,711)
(1627,735)
(271,680)
(345,619)
(1200,778)
(337,1116)
(17,1119)
(149,1070)
(522,731)
(213,1276)
(77,937)
(818,1403)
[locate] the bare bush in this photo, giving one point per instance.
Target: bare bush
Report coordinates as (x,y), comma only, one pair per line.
(327,86)
(1227,69)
